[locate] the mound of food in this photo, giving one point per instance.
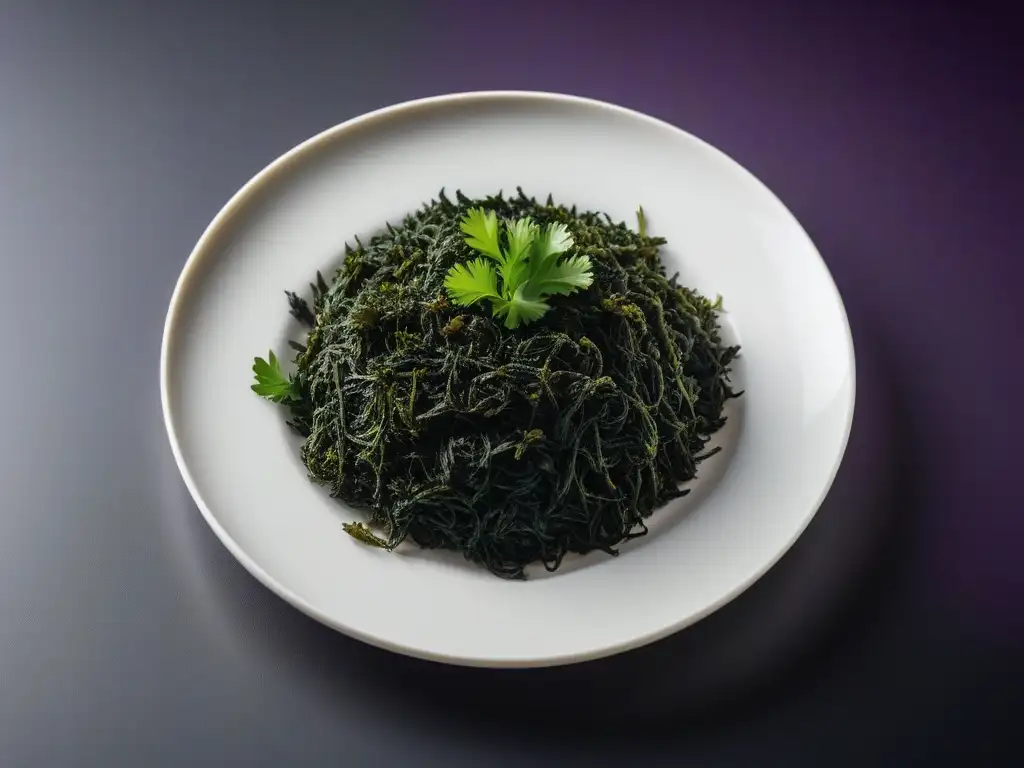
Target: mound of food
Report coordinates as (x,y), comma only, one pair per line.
(509,379)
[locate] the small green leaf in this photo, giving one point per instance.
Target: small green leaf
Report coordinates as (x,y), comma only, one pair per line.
(468,283)
(521,234)
(551,241)
(481,229)
(522,309)
(565,277)
(271,383)
(515,267)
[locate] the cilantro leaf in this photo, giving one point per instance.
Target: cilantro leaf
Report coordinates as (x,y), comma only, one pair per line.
(468,283)
(514,266)
(481,228)
(564,277)
(553,240)
(521,234)
(521,308)
(271,383)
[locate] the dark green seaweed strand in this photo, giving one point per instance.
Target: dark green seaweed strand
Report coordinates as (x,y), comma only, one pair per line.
(509,446)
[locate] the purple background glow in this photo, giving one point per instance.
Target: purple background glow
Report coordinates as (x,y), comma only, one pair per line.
(894,135)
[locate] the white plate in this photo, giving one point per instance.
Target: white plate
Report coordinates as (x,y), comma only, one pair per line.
(727,234)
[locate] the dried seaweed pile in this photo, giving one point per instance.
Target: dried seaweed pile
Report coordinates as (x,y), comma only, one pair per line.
(509,446)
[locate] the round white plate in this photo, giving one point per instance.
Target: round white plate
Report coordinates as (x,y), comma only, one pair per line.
(727,234)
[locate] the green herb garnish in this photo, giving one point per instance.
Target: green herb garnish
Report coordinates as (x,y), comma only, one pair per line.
(529,267)
(514,435)
(271,383)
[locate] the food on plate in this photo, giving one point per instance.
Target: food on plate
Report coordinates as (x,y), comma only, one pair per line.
(510,379)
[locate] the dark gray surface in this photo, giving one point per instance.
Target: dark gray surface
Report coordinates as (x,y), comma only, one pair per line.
(892,633)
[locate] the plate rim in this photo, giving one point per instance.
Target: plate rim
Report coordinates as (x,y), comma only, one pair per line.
(286,160)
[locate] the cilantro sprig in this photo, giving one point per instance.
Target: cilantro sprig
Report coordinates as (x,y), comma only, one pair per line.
(529,267)
(271,382)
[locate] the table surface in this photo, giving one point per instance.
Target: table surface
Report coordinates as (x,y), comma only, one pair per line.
(892,634)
